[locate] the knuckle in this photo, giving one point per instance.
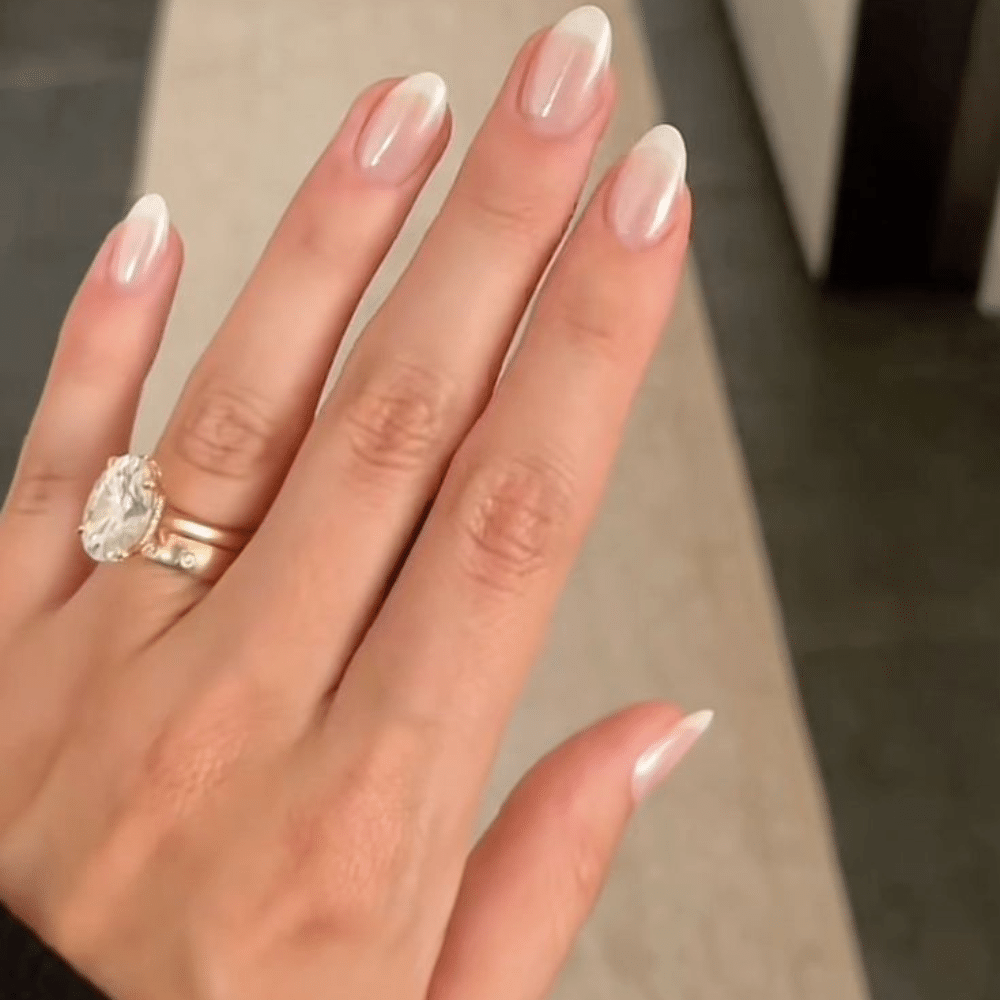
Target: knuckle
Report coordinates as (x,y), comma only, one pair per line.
(587,321)
(39,489)
(316,234)
(352,855)
(197,751)
(227,432)
(397,420)
(583,845)
(586,863)
(338,871)
(513,520)
(575,880)
(513,211)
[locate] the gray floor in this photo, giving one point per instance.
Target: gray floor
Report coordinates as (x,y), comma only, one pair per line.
(870,432)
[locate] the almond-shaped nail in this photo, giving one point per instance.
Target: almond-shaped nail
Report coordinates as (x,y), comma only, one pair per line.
(645,192)
(652,768)
(142,238)
(560,92)
(403,126)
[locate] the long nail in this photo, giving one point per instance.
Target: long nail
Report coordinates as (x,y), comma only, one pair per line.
(560,93)
(400,132)
(652,768)
(142,238)
(646,189)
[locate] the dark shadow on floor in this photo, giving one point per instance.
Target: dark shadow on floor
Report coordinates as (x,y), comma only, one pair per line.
(870,429)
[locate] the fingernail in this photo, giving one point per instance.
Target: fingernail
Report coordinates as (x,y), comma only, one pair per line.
(652,768)
(560,93)
(400,132)
(647,187)
(141,239)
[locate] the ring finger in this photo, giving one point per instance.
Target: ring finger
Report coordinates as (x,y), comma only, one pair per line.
(253,395)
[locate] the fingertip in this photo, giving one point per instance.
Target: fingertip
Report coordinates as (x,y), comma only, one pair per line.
(658,760)
(599,761)
(141,255)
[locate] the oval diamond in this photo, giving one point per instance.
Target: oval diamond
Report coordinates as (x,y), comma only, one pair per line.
(120,510)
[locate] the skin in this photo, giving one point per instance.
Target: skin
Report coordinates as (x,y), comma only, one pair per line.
(269,787)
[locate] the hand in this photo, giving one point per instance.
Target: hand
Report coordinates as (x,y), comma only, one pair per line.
(267,786)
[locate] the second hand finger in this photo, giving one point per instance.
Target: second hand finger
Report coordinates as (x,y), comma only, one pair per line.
(423,370)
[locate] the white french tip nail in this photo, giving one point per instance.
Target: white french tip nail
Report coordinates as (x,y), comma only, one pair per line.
(563,82)
(698,722)
(668,141)
(432,88)
(402,129)
(143,237)
(659,760)
(593,26)
(648,186)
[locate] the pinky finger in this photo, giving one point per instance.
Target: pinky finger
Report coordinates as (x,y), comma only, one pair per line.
(87,410)
(535,876)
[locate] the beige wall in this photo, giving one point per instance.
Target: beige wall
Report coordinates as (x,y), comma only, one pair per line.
(989,289)
(798,55)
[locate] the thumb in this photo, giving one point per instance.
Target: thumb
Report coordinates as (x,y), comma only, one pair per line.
(534,878)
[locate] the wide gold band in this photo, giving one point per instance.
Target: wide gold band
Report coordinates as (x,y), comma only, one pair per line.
(201,550)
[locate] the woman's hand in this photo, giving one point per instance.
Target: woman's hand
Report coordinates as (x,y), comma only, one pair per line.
(267,786)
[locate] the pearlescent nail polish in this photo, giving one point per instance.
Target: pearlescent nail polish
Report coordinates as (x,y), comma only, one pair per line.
(663,756)
(646,189)
(560,92)
(401,129)
(142,238)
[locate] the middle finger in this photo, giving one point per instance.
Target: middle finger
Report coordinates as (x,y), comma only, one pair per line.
(424,369)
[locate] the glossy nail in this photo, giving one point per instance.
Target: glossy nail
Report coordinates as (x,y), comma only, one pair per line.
(402,128)
(646,189)
(652,768)
(142,238)
(560,92)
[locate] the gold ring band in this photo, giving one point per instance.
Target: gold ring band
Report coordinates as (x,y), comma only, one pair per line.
(201,550)
(221,538)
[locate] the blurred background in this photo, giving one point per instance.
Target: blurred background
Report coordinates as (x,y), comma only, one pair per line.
(802,530)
